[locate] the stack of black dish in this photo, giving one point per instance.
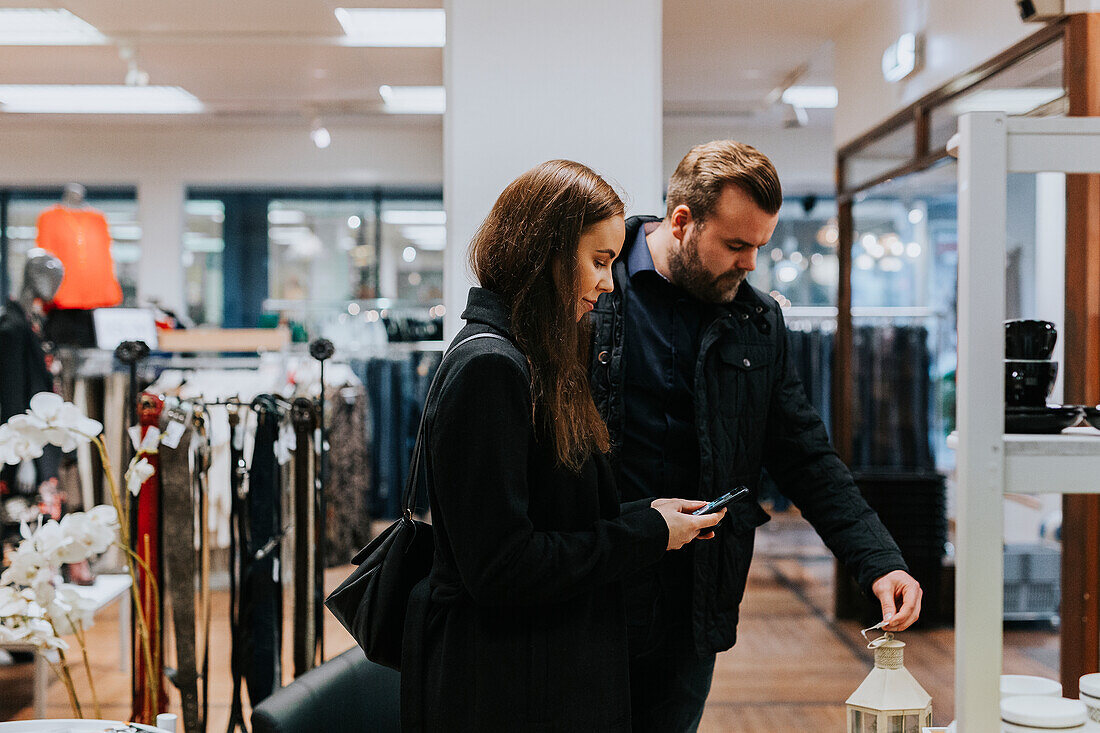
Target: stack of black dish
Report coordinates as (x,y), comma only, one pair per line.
(1029,379)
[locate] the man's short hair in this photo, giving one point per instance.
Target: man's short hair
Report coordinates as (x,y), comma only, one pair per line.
(708,168)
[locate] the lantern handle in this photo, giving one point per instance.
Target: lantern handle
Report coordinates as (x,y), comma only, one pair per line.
(876,643)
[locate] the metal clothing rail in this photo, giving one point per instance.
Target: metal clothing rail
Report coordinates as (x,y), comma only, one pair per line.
(831,312)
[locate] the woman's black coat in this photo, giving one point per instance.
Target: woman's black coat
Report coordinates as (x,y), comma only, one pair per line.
(520,625)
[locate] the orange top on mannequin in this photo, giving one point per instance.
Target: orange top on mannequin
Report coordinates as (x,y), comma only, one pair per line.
(80,239)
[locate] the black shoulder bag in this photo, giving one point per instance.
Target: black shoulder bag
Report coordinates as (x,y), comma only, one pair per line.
(371,603)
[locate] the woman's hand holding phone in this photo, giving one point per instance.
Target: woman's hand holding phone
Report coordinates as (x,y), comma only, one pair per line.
(683,526)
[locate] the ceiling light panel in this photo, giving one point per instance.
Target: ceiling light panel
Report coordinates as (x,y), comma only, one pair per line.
(811,97)
(96,99)
(393,28)
(46,27)
(423,100)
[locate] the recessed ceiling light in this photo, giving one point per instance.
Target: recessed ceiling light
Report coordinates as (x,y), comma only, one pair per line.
(46,27)
(811,97)
(414,100)
(391,27)
(1009,101)
(96,99)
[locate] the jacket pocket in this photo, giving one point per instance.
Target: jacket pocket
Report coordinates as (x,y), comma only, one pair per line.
(745,381)
(745,517)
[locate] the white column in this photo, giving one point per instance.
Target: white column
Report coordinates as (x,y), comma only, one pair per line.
(160,273)
(532,80)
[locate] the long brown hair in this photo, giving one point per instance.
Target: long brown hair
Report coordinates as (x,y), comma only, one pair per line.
(526,252)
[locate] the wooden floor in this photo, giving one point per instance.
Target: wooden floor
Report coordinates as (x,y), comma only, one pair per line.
(791,670)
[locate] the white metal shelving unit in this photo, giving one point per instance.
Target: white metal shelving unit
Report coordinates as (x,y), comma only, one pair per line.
(990,463)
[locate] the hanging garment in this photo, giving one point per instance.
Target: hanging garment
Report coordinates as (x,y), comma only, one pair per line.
(347,490)
(305,639)
(71,327)
(261,589)
(147,543)
(23,373)
(200,462)
(181,569)
(240,559)
(81,240)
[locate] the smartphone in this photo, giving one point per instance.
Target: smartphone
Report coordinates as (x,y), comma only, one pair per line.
(721,501)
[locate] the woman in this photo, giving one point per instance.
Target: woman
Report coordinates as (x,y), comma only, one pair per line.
(520,625)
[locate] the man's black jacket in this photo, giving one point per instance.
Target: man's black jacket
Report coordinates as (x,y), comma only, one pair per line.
(751,413)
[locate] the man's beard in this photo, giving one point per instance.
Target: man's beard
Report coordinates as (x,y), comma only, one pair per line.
(688,272)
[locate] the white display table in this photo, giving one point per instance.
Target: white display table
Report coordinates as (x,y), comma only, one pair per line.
(72,726)
(106,590)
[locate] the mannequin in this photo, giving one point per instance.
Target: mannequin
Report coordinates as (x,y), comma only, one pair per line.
(72,196)
(78,236)
(23,369)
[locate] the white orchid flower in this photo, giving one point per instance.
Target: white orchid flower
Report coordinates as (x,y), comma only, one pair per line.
(28,566)
(137,474)
(104,514)
(13,630)
(55,544)
(11,603)
(44,592)
(71,608)
(42,634)
(17,446)
(57,422)
(89,537)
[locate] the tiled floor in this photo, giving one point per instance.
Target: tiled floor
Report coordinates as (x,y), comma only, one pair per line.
(791,670)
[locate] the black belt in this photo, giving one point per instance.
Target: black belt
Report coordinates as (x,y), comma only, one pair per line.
(305,545)
(261,588)
(179,556)
(238,560)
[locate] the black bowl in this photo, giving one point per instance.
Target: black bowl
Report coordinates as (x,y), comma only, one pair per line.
(1048,419)
(1030,339)
(1028,383)
(1092,416)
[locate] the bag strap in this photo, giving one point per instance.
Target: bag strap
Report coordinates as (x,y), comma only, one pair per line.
(412,483)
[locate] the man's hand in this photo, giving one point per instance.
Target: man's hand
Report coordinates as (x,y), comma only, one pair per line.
(893,587)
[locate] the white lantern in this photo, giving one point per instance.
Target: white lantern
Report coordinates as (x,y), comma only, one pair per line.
(890,700)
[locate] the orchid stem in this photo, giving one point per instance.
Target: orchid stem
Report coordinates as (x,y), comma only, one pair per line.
(78,630)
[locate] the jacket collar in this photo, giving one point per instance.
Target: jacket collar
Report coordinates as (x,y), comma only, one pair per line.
(487,308)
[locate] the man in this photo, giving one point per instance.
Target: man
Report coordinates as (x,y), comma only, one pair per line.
(691,371)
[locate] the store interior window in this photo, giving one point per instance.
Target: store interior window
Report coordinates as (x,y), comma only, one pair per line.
(1033,87)
(904,280)
(883,155)
(321,252)
(121,213)
(203,260)
(414,233)
(360,272)
(801,263)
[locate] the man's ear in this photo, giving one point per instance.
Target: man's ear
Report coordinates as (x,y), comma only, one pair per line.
(680,220)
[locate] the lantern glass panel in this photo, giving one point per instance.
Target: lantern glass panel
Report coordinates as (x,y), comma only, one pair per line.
(912,723)
(870,723)
(894,724)
(856,722)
